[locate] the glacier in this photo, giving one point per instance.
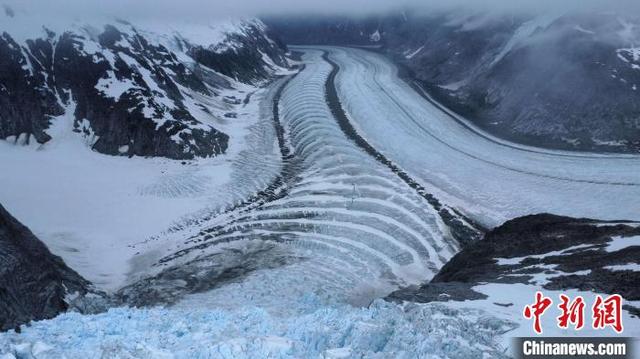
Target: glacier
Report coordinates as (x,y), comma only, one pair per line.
(381,330)
(454,159)
(337,217)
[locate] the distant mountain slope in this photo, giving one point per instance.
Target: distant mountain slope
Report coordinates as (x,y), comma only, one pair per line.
(33,282)
(130,89)
(560,80)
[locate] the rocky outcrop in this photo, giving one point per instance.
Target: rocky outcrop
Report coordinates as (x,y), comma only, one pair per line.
(33,282)
(557,253)
(558,80)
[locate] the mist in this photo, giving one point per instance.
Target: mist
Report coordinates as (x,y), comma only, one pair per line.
(206,10)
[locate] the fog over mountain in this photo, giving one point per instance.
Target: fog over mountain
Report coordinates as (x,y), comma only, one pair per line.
(204,10)
(564,76)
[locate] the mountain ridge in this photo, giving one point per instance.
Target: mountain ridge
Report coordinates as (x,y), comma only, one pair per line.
(130,89)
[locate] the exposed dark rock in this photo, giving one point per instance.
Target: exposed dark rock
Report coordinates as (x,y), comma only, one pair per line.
(204,274)
(574,248)
(24,106)
(33,282)
(437,292)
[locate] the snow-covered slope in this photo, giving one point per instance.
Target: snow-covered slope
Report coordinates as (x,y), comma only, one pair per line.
(329,215)
(78,97)
(130,88)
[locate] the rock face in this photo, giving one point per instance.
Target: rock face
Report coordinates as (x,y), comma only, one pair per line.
(558,80)
(33,282)
(128,90)
(555,252)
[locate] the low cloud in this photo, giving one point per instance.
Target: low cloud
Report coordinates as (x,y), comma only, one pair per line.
(204,10)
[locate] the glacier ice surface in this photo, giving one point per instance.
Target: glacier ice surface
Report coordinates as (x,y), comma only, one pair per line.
(381,330)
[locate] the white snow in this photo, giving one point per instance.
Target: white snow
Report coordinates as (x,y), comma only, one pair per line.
(375,37)
(583,30)
(87,207)
(617,243)
(414,53)
(114,88)
(566,251)
(454,86)
(31,20)
(524,33)
(94,209)
(624,267)
(358,230)
(507,302)
(630,55)
(213,35)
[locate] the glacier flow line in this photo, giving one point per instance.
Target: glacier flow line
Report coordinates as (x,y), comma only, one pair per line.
(464,229)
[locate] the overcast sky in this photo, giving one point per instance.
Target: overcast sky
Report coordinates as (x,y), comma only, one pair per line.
(211,9)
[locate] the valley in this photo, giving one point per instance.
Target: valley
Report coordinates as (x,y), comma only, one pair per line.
(300,201)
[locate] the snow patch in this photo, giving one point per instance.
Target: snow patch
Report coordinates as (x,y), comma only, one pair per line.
(624,267)
(414,53)
(617,243)
(524,32)
(583,30)
(375,37)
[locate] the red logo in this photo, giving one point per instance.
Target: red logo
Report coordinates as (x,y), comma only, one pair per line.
(536,310)
(572,312)
(606,312)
